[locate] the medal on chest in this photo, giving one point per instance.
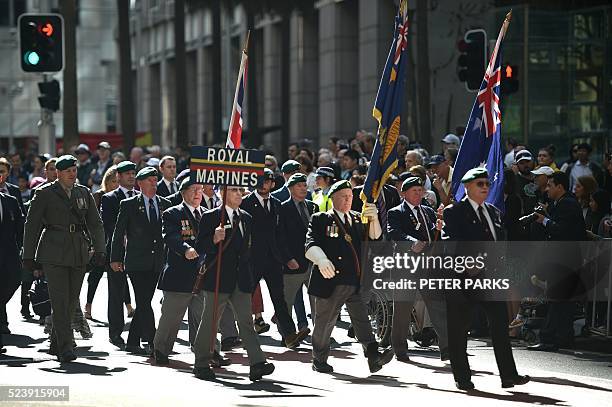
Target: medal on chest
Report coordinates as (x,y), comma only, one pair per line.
(187,230)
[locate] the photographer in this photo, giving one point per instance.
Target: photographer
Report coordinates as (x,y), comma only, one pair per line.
(537,231)
(563,221)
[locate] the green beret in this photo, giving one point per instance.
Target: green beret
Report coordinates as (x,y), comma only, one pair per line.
(145,173)
(290,166)
(474,173)
(295,178)
(338,186)
(66,161)
(125,166)
(411,182)
(186,183)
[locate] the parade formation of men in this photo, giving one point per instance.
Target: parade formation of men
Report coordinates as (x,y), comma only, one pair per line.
(173,245)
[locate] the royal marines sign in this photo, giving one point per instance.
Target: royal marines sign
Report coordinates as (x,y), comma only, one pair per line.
(226,166)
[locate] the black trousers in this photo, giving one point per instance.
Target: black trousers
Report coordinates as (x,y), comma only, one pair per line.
(8,285)
(460,310)
(272,273)
(26,284)
(143,322)
(558,328)
(93,279)
(117,284)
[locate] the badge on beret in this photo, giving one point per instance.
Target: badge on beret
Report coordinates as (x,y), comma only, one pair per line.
(411,182)
(344,184)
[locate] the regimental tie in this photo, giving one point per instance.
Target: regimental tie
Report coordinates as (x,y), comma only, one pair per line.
(422,224)
(484,223)
(304,213)
(236,221)
(152,212)
(172,188)
(382,210)
(265,201)
(197,215)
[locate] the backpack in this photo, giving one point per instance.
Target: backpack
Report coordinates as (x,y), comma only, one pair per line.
(39,297)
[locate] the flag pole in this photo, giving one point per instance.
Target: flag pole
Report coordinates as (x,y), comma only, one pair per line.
(222,222)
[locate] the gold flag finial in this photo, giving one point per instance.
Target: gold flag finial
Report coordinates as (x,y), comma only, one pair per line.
(509,16)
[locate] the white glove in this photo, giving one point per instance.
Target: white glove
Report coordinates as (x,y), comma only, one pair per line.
(318,257)
(370,211)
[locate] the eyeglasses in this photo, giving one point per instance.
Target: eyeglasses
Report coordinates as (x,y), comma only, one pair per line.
(482,184)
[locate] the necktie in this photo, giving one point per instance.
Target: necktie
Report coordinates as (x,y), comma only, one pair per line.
(236,221)
(152,212)
(485,224)
(304,213)
(130,194)
(172,188)
(347,223)
(197,215)
(265,200)
(423,224)
(382,210)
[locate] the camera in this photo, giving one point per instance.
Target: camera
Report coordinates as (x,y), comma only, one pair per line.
(527,219)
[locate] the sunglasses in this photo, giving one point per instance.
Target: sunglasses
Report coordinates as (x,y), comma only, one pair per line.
(482,184)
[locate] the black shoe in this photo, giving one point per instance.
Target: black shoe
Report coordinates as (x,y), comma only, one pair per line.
(204,373)
(5,330)
(466,386)
(444,354)
(293,340)
(2,350)
(516,381)
(136,350)
(402,357)
(544,347)
(218,360)
(322,367)
(230,343)
(351,331)
(160,358)
(377,360)
(66,357)
(149,349)
(260,370)
(261,326)
(117,341)
(53,349)
(476,333)
(26,315)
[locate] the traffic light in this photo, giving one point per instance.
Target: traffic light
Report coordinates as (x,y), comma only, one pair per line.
(49,95)
(473,58)
(41,42)
(509,79)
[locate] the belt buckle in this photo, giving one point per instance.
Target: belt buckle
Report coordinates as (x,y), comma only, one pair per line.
(72,228)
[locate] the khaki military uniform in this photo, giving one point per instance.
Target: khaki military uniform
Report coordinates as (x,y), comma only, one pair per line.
(56,236)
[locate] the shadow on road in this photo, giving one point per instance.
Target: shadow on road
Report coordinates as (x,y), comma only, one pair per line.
(84,368)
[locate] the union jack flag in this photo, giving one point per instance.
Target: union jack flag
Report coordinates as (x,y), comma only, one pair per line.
(481,144)
(234,132)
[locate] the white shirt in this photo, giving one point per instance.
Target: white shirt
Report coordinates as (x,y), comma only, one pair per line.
(192,209)
(578,170)
(230,213)
(486,214)
(341,216)
(420,216)
(125,191)
(169,184)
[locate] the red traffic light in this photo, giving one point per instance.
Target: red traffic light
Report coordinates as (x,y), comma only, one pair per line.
(46,29)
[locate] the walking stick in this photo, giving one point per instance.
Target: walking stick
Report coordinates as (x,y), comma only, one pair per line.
(217,278)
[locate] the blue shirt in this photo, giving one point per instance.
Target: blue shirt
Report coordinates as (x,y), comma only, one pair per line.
(155,205)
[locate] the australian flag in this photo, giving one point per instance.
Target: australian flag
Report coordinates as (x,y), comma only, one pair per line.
(387,110)
(481,144)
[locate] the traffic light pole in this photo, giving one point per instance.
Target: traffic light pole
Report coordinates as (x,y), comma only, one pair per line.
(46,130)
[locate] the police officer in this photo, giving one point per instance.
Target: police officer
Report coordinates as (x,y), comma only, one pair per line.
(235,283)
(11,239)
(473,219)
(66,214)
(266,255)
(117,281)
(333,244)
(295,216)
(139,221)
(415,223)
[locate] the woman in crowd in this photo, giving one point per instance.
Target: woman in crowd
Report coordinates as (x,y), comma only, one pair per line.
(585,186)
(546,157)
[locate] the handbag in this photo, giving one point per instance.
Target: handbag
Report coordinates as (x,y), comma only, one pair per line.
(39,297)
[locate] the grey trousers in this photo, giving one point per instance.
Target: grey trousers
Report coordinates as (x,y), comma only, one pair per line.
(327,310)
(401,322)
(173,309)
(241,303)
(293,284)
(64,288)
(227,325)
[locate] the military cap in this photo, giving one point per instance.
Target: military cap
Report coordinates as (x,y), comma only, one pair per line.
(474,173)
(338,186)
(295,178)
(185,173)
(145,173)
(290,166)
(411,182)
(435,160)
(268,174)
(187,182)
(125,166)
(325,172)
(404,176)
(64,162)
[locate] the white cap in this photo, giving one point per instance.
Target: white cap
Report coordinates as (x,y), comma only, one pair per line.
(543,170)
(153,162)
(451,139)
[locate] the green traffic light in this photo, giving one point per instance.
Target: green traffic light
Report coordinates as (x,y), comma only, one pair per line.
(32,58)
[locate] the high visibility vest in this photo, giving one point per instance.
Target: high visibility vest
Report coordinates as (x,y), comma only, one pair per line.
(323,201)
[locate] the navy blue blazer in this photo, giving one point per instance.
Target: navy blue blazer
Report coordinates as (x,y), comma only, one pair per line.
(13,190)
(282,194)
(162,189)
(266,229)
(235,264)
(11,238)
(461,222)
(109,210)
(566,220)
(179,231)
(402,223)
(293,232)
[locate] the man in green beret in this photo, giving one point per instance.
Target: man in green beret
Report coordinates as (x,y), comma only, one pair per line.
(61,226)
(333,244)
(139,225)
(474,220)
(117,281)
(288,168)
